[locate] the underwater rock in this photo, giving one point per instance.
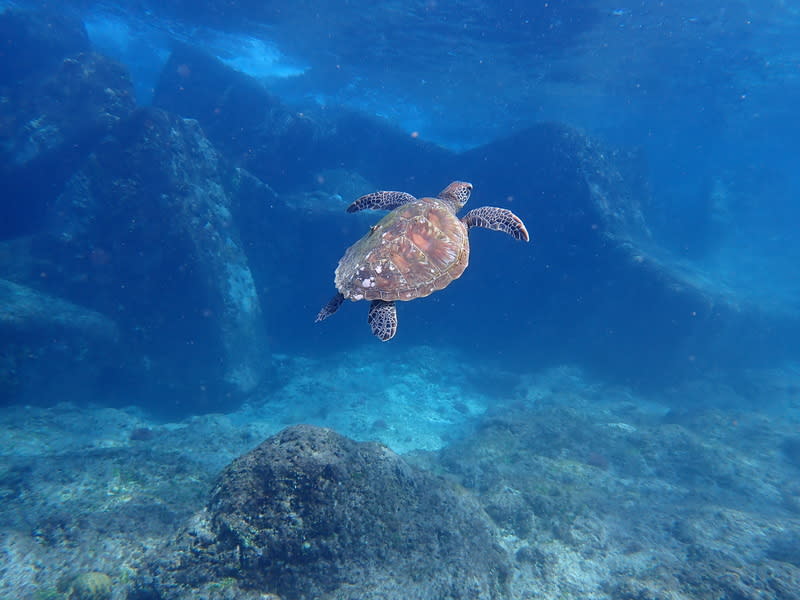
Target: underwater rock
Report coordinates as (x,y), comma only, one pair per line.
(145,232)
(785,547)
(238,114)
(88,586)
(699,501)
(312,514)
(604,288)
(287,147)
(35,41)
(83,98)
(578,189)
(791,450)
(29,312)
(49,124)
(49,343)
(384,153)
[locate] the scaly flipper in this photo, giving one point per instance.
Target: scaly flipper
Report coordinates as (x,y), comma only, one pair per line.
(380,201)
(382,319)
(331,307)
(499,219)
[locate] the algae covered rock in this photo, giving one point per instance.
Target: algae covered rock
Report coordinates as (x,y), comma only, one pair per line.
(37,41)
(87,586)
(150,204)
(312,514)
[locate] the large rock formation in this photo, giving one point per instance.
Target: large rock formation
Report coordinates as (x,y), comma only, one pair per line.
(50,345)
(284,146)
(603,288)
(312,514)
(624,490)
(145,232)
(35,42)
(591,288)
(49,122)
(606,294)
(127,215)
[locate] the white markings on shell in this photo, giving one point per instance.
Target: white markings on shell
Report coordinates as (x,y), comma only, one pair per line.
(368,282)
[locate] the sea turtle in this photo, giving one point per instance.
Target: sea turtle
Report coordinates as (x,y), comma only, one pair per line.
(418,248)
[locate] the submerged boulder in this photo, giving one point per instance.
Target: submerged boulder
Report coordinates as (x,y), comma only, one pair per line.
(49,124)
(253,127)
(33,42)
(144,232)
(594,287)
(287,146)
(50,345)
(312,514)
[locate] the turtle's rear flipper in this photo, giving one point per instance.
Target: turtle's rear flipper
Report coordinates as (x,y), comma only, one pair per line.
(380,201)
(330,308)
(499,219)
(382,319)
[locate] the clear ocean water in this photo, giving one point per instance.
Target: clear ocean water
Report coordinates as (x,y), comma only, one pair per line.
(617,399)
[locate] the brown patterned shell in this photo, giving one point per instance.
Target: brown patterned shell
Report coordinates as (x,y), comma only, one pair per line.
(416,249)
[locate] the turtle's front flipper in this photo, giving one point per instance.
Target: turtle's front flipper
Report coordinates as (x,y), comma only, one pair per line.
(380,201)
(499,219)
(330,308)
(382,319)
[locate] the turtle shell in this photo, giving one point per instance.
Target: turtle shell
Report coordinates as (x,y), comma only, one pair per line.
(416,249)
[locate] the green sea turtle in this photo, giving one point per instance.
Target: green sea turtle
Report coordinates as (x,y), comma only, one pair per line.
(418,248)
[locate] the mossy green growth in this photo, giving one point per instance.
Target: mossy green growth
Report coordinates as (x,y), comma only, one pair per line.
(223,584)
(88,586)
(48,594)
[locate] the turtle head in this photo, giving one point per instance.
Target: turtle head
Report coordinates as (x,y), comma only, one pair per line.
(457,193)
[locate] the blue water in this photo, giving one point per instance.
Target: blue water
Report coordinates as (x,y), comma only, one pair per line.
(703,94)
(694,103)
(662,268)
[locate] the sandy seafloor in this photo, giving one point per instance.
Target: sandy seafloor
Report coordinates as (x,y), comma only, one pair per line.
(598,492)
